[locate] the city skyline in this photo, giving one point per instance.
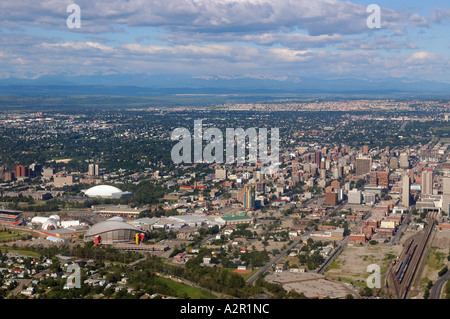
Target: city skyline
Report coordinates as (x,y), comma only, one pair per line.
(337,197)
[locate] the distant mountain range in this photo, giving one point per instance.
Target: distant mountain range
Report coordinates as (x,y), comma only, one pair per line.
(160,85)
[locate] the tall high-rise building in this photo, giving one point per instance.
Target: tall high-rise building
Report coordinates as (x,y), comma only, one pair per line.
(365,149)
(446,185)
(48,172)
(21,171)
(335,172)
(363,165)
(403,160)
(93,170)
(340,170)
(322,163)
(383,179)
(355,197)
(34,169)
(8,176)
(373,178)
(427,181)
(406,190)
(317,157)
(249,197)
(260,187)
(411,176)
(446,194)
(331,198)
(322,173)
(393,163)
(327,165)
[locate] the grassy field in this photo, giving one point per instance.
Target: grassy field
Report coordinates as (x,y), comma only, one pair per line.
(19,251)
(351,265)
(446,294)
(435,259)
(245,276)
(7,236)
(185,290)
(434,263)
(354,282)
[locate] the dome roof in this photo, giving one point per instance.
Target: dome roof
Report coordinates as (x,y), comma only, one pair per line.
(50,224)
(39,220)
(109,225)
(102,191)
(47,222)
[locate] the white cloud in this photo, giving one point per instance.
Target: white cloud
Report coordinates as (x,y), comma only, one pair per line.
(318,17)
(259,38)
(422,57)
(377,43)
(79,46)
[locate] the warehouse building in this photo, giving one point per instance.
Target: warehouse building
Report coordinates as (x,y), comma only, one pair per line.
(117,210)
(229,220)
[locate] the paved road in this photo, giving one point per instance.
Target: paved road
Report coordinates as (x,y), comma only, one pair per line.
(253,278)
(22,283)
(341,246)
(263,269)
(330,259)
(138,261)
(395,239)
(191,284)
(436,290)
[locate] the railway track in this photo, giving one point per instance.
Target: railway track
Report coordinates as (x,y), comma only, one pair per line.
(404,272)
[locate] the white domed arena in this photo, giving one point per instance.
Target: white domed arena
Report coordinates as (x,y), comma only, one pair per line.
(50,224)
(47,223)
(105,191)
(55,217)
(111,231)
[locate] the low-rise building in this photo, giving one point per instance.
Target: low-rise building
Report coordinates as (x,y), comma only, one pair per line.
(229,220)
(361,238)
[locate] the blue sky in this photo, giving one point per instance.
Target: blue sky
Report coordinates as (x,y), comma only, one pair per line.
(279,39)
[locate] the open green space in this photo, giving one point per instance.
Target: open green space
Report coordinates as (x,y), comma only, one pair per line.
(357,283)
(10,249)
(6,235)
(435,259)
(245,276)
(186,291)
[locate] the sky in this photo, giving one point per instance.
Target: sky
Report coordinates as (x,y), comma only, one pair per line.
(269,39)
